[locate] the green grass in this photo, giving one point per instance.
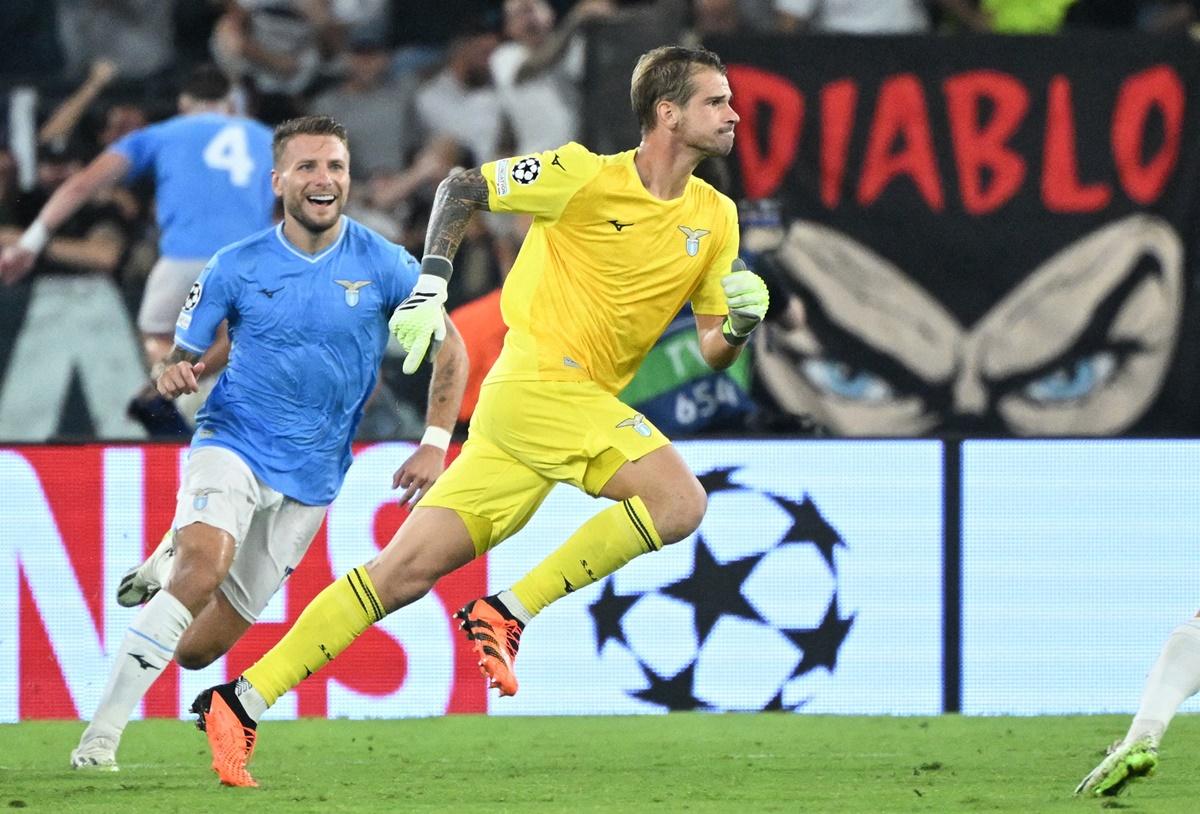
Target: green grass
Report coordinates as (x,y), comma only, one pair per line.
(683,762)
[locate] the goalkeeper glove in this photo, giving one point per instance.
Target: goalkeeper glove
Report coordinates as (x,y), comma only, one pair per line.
(747,298)
(420,320)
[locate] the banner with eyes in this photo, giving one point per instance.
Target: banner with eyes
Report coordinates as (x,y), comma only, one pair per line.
(974,235)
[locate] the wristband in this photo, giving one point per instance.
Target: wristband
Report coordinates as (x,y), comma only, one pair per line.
(730,336)
(35,237)
(437,266)
(436,437)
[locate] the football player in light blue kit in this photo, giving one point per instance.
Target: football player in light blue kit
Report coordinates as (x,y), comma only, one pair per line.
(307,304)
(212,186)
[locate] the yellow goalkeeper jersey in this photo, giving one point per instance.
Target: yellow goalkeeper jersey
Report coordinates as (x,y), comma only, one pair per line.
(605,267)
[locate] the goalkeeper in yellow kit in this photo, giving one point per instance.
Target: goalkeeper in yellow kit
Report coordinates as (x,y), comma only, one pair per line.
(619,244)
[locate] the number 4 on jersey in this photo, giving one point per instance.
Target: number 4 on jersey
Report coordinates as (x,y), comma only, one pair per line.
(229,151)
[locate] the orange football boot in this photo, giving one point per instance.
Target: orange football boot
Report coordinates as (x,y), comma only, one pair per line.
(231,734)
(494,637)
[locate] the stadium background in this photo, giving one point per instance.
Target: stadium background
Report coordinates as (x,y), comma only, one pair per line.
(954,571)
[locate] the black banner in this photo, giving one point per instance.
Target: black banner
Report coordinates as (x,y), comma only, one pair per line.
(976,234)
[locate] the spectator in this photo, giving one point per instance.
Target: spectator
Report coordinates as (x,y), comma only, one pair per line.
(120,120)
(66,117)
(374,107)
(725,17)
(136,35)
(75,345)
(538,70)
(402,192)
(1026,16)
(273,45)
(90,242)
(460,100)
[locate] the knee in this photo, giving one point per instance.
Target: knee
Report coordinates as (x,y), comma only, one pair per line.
(194,581)
(195,658)
(197,651)
(679,511)
(401,580)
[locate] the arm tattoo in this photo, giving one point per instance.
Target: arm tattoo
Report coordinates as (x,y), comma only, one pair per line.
(441,387)
(449,380)
(177,354)
(445,393)
(457,198)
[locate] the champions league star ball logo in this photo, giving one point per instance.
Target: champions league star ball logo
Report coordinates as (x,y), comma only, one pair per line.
(747,624)
(527,170)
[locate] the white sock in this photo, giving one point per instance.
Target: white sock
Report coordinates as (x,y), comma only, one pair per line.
(509,600)
(252,700)
(1174,678)
(147,648)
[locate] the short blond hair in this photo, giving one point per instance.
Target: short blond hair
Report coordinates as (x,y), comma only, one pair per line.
(666,73)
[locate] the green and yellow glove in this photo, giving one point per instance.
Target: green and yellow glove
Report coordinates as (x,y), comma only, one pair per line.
(420,321)
(747,298)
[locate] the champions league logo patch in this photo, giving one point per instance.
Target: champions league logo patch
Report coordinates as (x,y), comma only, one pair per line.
(527,170)
(193,297)
(352,287)
(772,604)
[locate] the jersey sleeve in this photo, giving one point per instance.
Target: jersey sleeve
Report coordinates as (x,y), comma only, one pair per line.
(709,296)
(139,149)
(208,302)
(539,184)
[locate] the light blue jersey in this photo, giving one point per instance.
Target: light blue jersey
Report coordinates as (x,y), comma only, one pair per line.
(212,177)
(308,332)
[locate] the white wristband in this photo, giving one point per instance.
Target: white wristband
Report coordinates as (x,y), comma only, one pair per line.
(34,238)
(436,437)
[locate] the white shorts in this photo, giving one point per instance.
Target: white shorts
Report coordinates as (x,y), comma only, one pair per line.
(272,532)
(166,288)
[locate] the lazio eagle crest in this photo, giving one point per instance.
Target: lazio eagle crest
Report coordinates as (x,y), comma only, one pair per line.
(693,239)
(352,287)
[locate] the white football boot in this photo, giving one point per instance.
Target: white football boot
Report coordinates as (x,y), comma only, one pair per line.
(96,753)
(144,581)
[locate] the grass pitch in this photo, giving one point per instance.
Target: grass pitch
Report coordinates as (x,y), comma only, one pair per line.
(681,762)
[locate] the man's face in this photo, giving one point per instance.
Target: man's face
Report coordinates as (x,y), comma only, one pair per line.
(715,16)
(470,57)
(706,122)
(527,20)
(368,67)
(312,177)
(121,121)
(52,172)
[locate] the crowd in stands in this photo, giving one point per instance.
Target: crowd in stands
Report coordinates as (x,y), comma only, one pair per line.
(422,88)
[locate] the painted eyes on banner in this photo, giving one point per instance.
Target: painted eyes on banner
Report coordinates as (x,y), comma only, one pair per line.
(844,381)
(1081,346)
(1074,380)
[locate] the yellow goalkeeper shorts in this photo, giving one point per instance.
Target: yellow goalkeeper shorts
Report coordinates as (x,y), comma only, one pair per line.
(527,436)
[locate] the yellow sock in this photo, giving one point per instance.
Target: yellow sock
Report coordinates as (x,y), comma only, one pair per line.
(334,619)
(600,546)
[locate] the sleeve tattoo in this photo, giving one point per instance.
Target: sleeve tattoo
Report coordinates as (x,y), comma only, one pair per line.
(456,200)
